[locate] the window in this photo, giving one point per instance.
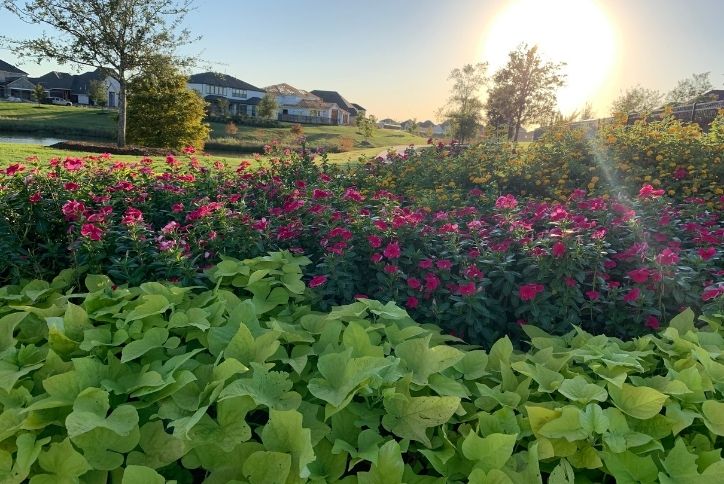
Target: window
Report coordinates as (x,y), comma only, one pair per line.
(238,93)
(214,90)
(314,112)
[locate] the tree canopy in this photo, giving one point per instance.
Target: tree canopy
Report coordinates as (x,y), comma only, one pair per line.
(464,108)
(163,111)
(636,99)
(122,37)
(524,90)
(690,89)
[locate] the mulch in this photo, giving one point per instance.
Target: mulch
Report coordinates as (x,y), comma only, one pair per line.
(100,147)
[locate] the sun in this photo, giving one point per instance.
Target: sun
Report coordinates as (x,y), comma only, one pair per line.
(577,32)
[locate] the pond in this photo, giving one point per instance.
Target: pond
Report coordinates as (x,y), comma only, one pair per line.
(29,140)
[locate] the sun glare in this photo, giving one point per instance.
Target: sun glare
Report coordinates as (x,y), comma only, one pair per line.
(577,32)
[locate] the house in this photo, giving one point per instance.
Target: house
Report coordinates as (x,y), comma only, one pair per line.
(360,110)
(347,112)
(388,123)
(14,82)
(76,87)
(218,89)
(300,106)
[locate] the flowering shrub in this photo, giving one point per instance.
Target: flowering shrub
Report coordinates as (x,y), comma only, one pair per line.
(239,380)
(480,269)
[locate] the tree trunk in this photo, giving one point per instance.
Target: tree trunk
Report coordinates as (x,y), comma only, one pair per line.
(517,129)
(122,113)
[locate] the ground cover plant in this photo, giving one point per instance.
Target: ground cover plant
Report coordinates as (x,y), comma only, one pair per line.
(242,379)
(614,264)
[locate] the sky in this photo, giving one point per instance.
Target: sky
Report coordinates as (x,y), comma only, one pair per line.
(394,56)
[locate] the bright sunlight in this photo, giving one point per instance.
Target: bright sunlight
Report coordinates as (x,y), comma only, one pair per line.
(577,32)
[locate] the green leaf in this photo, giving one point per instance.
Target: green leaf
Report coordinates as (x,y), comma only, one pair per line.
(593,420)
(495,476)
(410,417)
(628,468)
(141,475)
(713,412)
(684,321)
(264,467)
(152,304)
(568,426)
(548,380)
(680,465)
(423,361)
(680,418)
(62,464)
(159,448)
(473,364)
(579,390)
(639,402)
(152,339)
(268,388)
(89,412)
(562,474)
(388,468)
(343,374)
(490,452)
(284,433)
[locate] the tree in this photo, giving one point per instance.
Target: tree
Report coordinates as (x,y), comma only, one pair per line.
(524,90)
(223,104)
(162,110)
(690,89)
(587,112)
(121,37)
(412,126)
(267,106)
(464,109)
(38,93)
(98,92)
(636,99)
(368,126)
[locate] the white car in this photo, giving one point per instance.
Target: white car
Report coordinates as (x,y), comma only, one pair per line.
(60,101)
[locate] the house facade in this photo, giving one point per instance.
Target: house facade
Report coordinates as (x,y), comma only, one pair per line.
(225,92)
(14,82)
(346,113)
(299,106)
(76,88)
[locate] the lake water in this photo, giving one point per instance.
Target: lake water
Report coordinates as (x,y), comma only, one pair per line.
(29,140)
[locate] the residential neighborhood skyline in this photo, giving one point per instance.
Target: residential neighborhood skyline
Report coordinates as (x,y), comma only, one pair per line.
(387,57)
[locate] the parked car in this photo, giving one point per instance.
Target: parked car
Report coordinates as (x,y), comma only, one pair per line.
(60,101)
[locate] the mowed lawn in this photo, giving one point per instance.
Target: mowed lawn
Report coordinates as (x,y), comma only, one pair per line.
(62,121)
(18,153)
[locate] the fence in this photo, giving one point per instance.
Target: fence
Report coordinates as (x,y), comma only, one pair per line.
(295,118)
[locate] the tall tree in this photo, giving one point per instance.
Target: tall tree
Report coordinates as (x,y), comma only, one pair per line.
(690,89)
(636,99)
(267,106)
(464,109)
(38,93)
(524,90)
(118,36)
(162,110)
(98,92)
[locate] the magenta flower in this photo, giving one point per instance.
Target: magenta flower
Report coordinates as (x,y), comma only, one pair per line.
(639,276)
(559,249)
(632,295)
(647,191)
(317,281)
(506,202)
(392,251)
(528,292)
(91,231)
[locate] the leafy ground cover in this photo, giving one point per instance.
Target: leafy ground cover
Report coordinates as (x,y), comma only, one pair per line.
(242,379)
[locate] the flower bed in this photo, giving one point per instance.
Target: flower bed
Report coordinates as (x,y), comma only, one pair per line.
(241,380)
(610,264)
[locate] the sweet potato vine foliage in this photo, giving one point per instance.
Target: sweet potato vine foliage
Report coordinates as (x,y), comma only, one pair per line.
(242,380)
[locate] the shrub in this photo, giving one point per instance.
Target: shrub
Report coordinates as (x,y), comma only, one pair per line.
(244,381)
(230,129)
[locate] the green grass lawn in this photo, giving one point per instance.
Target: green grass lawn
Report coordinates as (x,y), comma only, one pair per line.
(320,136)
(17,153)
(62,121)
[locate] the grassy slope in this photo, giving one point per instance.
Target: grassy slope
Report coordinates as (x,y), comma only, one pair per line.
(47,118)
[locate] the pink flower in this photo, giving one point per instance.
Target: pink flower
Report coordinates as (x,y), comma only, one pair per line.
(390,268)
(189,150)
(14,168)
(132,216)
(570,282)
(707,253)
(632,295)
(170,227)
(506,202)
(467,289)
(374,241)
(376,258)
(392,251)
(177,207)
(317,281)
(712,293)
(559,249)
(473,272)
(593,295)
(431,282)
(639,276)
(72,164)
(318,194)
(652,322)
(647,191)
(425,264)
(35,197)
(413,283)
(411,302)
(528,292)
(91,231)
(667,257)
(72,209)
(443,265)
